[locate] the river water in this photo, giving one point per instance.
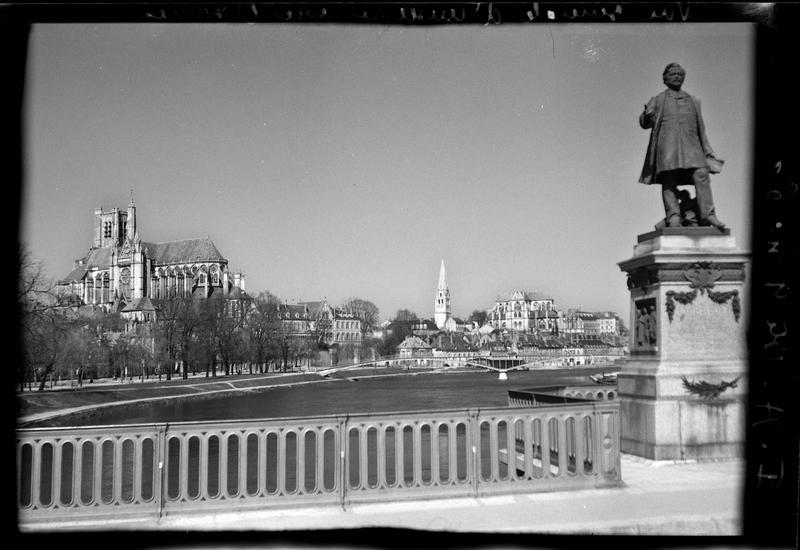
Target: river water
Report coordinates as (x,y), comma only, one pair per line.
(423,391)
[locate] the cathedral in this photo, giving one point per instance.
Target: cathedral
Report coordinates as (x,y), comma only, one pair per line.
(121,272)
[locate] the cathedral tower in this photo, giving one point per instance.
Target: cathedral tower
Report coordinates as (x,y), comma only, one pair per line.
(441,308)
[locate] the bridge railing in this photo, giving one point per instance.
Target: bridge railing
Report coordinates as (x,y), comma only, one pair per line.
(148,471)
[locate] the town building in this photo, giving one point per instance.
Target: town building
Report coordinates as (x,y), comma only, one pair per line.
(589,323)
(414,347)
(523,312)
(295,320)
(333,325)
(453,348)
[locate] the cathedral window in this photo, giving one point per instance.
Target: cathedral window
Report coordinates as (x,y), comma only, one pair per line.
(107,229)
(125,282)
(105,290)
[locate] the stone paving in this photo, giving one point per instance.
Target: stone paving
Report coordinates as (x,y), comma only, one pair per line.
(658,498)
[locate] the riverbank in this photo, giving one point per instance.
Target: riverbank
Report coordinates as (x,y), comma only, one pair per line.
(83,402)
(85,405)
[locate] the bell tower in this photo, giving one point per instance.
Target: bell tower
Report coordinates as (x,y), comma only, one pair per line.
(441,307)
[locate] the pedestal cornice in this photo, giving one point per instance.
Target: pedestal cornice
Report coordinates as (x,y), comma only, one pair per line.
(684,246)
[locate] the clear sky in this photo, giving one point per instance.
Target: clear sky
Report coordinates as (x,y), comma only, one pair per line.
(347,160)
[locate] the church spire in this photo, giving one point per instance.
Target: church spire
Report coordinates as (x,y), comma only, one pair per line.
(442,277)
(441,307)
(130,224)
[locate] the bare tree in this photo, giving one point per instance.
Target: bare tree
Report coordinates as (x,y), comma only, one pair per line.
(478,316)
(262,323)
(229,316)
(405,315)
(43,331)
(35,293)
(363,310)
(177,322)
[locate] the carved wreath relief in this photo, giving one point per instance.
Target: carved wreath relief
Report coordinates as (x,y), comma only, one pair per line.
(646,335)
(701,277)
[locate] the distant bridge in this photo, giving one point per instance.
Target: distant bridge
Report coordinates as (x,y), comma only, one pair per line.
(442,363)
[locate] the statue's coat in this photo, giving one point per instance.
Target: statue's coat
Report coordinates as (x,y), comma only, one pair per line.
(656,104)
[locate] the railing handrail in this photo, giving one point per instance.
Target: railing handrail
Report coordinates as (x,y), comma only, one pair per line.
(149,470)
(580,404)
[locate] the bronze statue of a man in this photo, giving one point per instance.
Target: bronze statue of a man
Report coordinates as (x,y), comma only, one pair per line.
(678,152)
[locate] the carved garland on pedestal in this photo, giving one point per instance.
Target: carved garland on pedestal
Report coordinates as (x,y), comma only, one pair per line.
(680,297)
(702,276)
(722,297)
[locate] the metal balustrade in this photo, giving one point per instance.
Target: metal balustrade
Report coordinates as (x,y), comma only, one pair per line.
(153,470)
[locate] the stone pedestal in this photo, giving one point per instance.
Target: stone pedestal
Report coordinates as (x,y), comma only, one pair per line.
(683,391)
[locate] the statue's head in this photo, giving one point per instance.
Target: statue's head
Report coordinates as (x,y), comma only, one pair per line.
(673,76)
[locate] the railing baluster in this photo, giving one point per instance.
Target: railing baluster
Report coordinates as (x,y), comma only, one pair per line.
(98,471)
(400,472)
(578,438)
(416,431)
(301,461)
(363,460)
(281,481)
(494,452)
(183,466)
(55,478)
(527,446)
(36,474)
(434,439)
(261,485)
(223,463)
(473,435)
(380,443)
(544,433)
(511,447)
(202,469)
(77,480)
(116,467)
(160,458)
(452,443)
(319,473)
(340,480)
(563,459)
(242,456)
(138,466)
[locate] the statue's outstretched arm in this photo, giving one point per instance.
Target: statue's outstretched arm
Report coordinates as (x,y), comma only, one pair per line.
(648,117)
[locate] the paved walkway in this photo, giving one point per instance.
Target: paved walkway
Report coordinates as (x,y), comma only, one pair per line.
(659,498)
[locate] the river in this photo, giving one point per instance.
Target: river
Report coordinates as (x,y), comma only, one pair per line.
(421,391)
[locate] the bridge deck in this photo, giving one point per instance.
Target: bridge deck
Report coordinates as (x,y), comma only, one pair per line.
(659,498)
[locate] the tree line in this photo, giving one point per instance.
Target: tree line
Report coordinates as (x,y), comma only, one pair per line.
(212,335)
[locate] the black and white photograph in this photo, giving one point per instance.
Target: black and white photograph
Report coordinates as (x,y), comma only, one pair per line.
(470,268)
